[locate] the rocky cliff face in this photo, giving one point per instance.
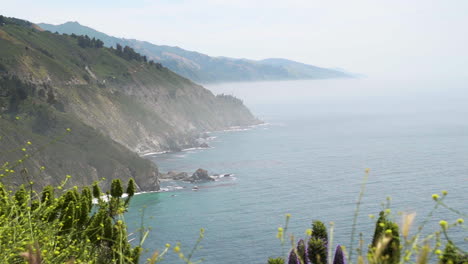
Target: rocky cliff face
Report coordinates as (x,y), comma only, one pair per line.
(115,102)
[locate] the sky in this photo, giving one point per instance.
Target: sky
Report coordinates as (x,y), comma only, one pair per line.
(395,39)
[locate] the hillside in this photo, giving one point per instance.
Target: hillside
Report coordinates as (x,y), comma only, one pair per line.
(203,68)
(116,102)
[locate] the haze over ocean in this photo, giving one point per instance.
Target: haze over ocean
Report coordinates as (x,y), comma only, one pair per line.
(309,160)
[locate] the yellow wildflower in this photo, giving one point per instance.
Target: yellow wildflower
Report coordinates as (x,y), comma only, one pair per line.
(443,224)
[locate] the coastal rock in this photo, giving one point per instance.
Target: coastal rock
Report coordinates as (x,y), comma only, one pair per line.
(181,176)
(204,145)
(147,183)
(174,175)
(200,175)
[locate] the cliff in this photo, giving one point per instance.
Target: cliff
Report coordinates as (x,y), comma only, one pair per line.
(116,102)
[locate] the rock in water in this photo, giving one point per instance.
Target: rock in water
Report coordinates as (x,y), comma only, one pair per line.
(204,145)
(200,175)
(174,175)
(181,176)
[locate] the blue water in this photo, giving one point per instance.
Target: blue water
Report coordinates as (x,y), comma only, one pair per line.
(309,161)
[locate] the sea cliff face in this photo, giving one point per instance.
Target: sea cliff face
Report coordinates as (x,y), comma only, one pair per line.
(115,102)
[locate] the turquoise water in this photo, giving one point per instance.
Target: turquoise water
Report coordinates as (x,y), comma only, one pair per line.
(309,161)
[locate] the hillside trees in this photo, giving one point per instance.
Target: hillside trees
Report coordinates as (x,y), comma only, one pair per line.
(86,42)
(129,53)
(125,52)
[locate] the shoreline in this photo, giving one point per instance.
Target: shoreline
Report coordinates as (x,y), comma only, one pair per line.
(206,138)
(230,129)
(188,186)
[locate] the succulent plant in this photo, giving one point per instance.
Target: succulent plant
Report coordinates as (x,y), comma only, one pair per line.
(302,251)
(318,244)
(386,235)
(317,251)
(340,257)
(293,259)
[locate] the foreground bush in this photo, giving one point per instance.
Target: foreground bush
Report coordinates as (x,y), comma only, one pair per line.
(58,226)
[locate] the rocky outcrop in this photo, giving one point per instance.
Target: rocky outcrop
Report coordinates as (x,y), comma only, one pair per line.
(200,175)
(173,175)
(148,183)
(204,145)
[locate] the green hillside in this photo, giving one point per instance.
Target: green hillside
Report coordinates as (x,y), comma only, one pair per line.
(116,103)
(203,68)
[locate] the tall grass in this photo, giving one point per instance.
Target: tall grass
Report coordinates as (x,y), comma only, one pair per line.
(391,243)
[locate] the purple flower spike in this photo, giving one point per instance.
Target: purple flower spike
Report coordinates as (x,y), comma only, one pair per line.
(340,257)
(293,258)
(302,251)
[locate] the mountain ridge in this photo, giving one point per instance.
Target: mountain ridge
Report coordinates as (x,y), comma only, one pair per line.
(203,68)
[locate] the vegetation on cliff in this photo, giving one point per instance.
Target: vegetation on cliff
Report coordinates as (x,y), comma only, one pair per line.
(115,101)
(203,68)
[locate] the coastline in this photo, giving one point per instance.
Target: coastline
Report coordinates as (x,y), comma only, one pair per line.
(201,142)
(188,186)
(204,139)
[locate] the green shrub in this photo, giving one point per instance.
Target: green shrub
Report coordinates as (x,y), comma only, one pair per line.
(62,228)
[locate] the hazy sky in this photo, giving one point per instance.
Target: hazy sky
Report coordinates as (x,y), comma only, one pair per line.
(425,39)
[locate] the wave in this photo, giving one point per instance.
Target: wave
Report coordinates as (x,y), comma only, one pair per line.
(154,153)
(195,148)
(225,175)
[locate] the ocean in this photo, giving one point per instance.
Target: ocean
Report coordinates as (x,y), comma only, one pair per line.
(309,160)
